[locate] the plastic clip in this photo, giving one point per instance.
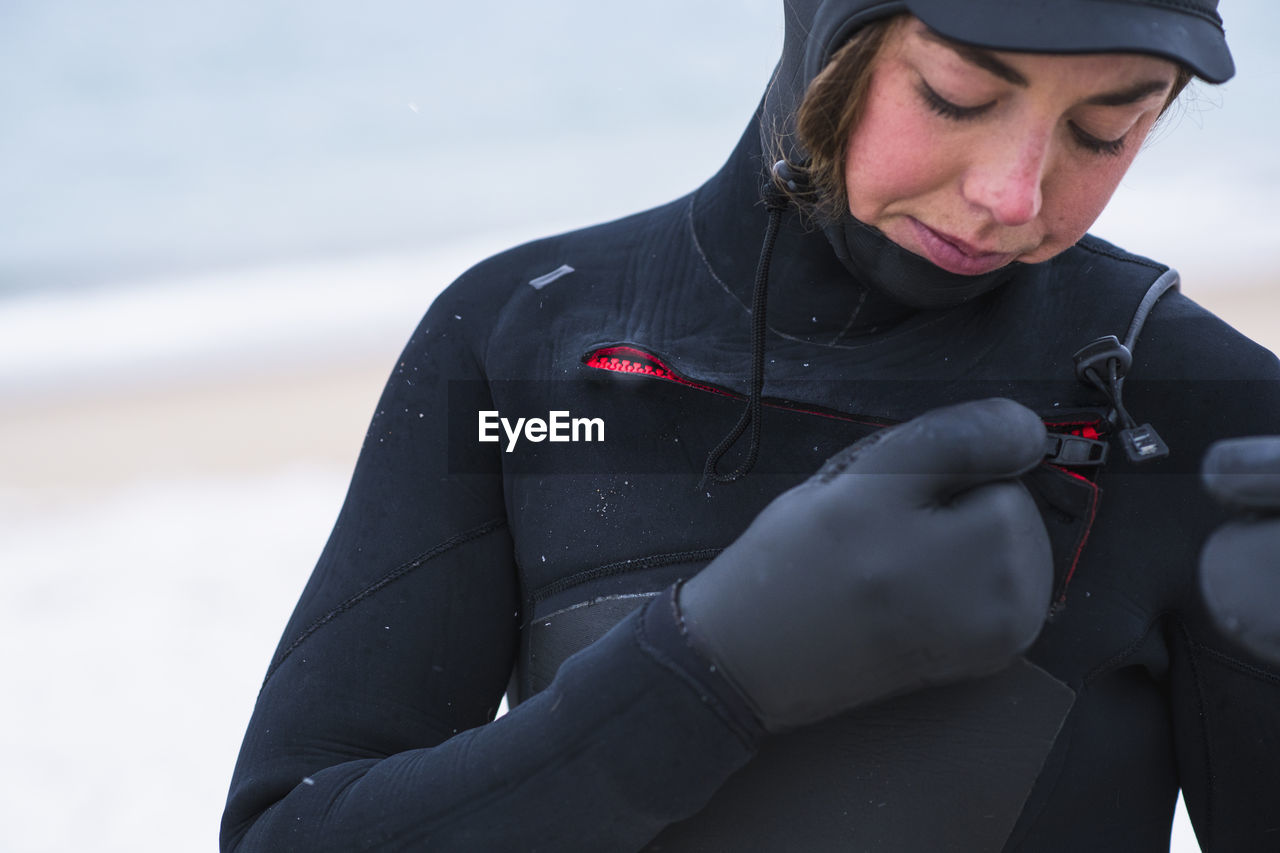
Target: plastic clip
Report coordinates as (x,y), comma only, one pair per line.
(1074,451)
(1094,356)
(784,172)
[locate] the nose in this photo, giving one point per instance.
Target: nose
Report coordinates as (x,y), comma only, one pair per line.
(1006,177)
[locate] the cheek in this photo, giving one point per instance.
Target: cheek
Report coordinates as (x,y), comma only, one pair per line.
(1073,201)
(892,156)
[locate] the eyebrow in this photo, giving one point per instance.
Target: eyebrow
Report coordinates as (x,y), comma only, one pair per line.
(988,61)
(977,56)
(1132,95)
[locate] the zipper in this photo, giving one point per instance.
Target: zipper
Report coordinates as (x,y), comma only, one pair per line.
(1074,442)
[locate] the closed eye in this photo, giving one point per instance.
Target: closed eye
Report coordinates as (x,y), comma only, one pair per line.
(947,109)
(1091,143)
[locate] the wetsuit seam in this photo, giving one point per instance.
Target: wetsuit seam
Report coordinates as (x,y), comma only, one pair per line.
(711,271)
(443,823)
(1193,649)
(1117,256)
(1190,9)
(1234,663)
(1121,656)
(702,255)
(1203,720)
(1066,737)
(665,662)
(390,577)
(853,318)
(481,339)
(653,561)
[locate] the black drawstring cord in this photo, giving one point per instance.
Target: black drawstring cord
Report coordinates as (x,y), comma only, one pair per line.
(1141,442)
(776,202)
(1112,387)
(1169,280)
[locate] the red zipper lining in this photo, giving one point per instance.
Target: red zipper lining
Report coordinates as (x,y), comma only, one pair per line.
(624,359)
(1080,429)
(1094,494)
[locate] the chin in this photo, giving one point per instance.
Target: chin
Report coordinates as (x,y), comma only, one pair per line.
(1045,253)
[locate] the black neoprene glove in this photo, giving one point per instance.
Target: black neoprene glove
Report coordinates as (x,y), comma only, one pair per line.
(913,558)
(1240,563)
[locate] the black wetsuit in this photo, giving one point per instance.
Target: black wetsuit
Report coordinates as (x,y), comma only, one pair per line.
(455,563)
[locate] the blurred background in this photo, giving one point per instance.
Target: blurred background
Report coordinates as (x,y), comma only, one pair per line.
(220,223)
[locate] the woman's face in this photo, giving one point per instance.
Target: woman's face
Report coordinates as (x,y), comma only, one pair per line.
(975,158)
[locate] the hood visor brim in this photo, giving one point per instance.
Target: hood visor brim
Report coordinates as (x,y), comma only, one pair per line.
(1179,32)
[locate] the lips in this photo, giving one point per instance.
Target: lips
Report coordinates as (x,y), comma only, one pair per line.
(955,255)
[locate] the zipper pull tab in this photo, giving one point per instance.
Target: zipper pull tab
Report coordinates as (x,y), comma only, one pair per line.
(1074,451)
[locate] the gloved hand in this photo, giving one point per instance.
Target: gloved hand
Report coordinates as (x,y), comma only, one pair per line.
(912,558)
(1240,563)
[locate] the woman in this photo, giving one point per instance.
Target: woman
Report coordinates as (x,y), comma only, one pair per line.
(975,628)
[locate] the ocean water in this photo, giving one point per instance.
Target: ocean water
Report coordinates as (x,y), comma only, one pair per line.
(146,139)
